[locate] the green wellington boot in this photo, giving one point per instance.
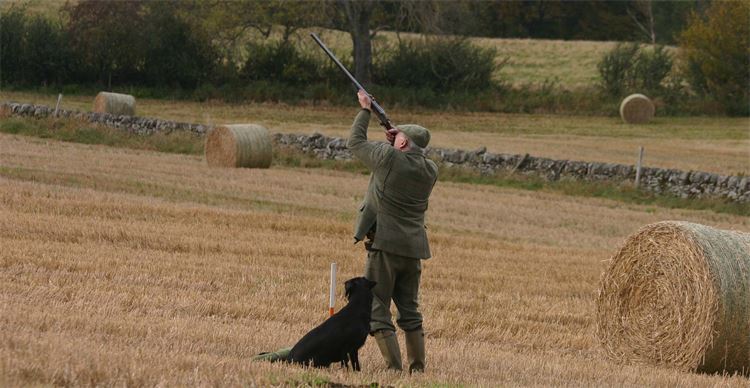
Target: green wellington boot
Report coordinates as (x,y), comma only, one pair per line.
(388,345)
(279,355)
(415,350)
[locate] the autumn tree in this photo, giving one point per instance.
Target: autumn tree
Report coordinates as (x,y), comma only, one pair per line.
(716,49)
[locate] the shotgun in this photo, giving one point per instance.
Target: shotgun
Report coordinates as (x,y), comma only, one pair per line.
(382,117)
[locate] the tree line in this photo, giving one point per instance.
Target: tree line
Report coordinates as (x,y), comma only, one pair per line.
(648,21)
(200,48)
(106,43)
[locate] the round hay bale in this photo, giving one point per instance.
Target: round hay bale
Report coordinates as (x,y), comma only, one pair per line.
(239,145)
(677,294)
(114,103)
(637,109)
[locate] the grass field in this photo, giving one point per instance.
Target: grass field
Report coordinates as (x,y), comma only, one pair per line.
(127,267)
(713,144)
(570,64)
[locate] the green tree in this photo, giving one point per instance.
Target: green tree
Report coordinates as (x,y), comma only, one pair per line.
(227,22)
(280,62)
(615,68)
(175,54)
(716,48)
(44,52)
(12,31)
(440,65)
(364,18)
(632,68)
(359,16)
(107,36)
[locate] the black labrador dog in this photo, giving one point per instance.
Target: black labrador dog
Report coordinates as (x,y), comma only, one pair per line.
(339,338)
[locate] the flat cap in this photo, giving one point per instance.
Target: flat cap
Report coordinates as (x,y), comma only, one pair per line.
(417,133)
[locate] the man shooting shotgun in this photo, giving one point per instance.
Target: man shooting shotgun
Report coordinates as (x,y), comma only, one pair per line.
(391,219)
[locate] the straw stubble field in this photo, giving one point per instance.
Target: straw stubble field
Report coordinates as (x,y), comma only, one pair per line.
(125,267)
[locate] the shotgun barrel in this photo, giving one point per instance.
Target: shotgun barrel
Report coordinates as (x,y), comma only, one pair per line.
(382,117)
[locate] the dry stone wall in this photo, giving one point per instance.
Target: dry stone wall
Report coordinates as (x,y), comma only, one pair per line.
(685,184)
(132,124)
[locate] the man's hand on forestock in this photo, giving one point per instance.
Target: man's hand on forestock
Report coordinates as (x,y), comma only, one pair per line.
(364,100)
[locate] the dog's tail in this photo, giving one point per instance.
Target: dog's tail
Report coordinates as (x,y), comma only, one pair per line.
(279,355)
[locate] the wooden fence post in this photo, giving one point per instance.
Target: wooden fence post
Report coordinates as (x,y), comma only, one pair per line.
(638,167)
(57,107)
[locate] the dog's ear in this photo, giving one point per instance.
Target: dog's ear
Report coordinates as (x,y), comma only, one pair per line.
(348,286)
(371,284)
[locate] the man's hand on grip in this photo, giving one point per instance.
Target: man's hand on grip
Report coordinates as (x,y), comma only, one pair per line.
(390,134)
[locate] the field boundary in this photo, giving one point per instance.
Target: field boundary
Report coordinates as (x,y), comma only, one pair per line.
(661,181)
(133,124)
(683,184)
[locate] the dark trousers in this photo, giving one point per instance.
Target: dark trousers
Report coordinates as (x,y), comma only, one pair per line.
(397,278)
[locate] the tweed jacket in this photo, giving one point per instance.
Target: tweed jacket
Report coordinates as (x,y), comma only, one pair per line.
(397,195)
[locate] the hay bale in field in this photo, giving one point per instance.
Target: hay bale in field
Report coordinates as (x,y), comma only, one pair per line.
(239,145)
(637,109)
(114,103)
(677,294)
